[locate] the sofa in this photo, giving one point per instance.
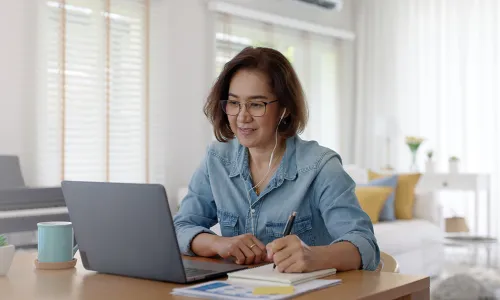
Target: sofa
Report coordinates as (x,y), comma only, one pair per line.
(416,244)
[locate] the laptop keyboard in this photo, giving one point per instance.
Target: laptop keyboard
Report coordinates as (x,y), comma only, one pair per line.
(192,272)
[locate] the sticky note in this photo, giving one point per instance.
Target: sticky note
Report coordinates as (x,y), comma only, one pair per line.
(273,290)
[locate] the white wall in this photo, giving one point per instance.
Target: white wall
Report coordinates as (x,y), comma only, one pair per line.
(182,70)
(17,82)
(179,85)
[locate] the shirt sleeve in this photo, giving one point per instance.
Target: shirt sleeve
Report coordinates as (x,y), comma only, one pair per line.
(197,212)
(343,216)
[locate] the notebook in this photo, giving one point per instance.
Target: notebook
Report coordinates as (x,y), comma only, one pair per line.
(266,274)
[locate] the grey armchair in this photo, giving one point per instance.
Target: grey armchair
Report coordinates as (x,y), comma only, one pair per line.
(10,172)
(22,207)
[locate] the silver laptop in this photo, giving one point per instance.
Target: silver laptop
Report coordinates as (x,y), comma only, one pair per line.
(127,229)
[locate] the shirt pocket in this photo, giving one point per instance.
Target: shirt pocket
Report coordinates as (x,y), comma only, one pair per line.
(228,223)
(302,227)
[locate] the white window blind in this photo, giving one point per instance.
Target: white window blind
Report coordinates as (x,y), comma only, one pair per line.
(314,58)
(94,112)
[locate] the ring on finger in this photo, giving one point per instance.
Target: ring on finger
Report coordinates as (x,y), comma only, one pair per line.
(253,245)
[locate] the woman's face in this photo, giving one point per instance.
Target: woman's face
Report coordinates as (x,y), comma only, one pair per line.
(253,131)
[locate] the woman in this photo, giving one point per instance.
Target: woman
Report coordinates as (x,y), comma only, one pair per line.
(260,171)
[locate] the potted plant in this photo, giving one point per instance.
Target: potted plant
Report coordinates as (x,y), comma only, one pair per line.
(6,255)
(453,163)
(429,164)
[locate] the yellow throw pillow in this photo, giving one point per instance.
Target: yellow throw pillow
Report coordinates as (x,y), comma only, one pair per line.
(372,199)
(405,193)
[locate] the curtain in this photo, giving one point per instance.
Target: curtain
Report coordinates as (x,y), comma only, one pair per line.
(430,68)
(314,58)
(93,106)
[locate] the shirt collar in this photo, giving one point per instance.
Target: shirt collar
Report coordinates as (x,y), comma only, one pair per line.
(287,169)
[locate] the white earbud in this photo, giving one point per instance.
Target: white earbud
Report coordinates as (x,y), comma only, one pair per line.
(282,115)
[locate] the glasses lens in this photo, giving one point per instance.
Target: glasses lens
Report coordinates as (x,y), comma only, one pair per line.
(231,107)
(256,109)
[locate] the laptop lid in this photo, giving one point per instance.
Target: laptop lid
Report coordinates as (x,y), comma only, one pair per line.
(124,229)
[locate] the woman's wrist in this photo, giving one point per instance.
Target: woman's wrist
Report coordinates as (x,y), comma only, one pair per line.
(322,258)
(204,244)
(214,243)
(342,256)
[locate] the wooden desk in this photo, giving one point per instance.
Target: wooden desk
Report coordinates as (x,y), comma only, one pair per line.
(25,282)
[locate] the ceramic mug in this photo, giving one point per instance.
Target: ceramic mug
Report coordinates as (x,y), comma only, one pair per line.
(55,242)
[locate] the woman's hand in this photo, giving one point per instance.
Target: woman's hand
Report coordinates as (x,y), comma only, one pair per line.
(291,255)
(246,249)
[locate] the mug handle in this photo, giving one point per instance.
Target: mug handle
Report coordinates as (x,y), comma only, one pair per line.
(75,249)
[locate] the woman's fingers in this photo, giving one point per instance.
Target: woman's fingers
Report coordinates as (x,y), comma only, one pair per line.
(247,249)
(259,249)
(258,253)
(235,251)
(284,264)
(283,255)
(258,243)
(297,266)
(249,255)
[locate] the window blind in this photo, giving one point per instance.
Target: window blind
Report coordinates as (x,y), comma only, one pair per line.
(95,108)
(314,58)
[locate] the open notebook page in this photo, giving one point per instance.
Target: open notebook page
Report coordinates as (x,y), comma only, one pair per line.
(267,274)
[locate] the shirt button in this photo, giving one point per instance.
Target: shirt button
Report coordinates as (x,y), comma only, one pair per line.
(253,210)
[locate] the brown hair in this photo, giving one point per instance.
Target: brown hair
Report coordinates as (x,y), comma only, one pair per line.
(284,84)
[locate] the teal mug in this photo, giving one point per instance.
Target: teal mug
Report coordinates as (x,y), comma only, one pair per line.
(55,242)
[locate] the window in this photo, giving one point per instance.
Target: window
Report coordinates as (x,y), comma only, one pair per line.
(314,58)
(94,104)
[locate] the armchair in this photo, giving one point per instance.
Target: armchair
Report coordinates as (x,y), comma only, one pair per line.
(22,207)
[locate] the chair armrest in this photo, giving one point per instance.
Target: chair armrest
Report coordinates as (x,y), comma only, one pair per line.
(30,198)
(428,207)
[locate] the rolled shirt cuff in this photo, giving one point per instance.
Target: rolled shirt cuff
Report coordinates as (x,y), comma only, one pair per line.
(186,236)
(370,254)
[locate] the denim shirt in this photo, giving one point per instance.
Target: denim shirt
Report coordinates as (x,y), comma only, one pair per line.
(309,180)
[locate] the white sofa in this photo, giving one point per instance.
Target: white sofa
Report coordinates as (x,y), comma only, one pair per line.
(416,244)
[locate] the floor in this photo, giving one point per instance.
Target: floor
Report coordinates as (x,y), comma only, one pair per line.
(471,258)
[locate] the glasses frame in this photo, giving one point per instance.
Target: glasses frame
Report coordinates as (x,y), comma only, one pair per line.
(223,102)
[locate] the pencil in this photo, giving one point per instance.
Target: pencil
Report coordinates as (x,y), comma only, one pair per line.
(288,227)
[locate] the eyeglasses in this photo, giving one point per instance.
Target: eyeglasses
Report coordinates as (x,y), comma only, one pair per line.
(254,108)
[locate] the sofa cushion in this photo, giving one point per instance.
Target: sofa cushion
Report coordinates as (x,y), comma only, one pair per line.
(372,199)
(405,193)
(401,236)
(388,212)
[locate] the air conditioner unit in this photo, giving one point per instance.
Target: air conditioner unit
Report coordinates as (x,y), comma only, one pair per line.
(326,4)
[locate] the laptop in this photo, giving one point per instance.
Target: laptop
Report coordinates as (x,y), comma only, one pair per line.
(127,229)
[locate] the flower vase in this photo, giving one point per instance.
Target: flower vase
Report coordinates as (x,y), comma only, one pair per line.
(414,143)
(413,166)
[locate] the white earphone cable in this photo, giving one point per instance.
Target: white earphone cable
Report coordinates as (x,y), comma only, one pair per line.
(267,173)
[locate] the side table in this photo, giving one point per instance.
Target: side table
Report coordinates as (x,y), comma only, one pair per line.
(477,183)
